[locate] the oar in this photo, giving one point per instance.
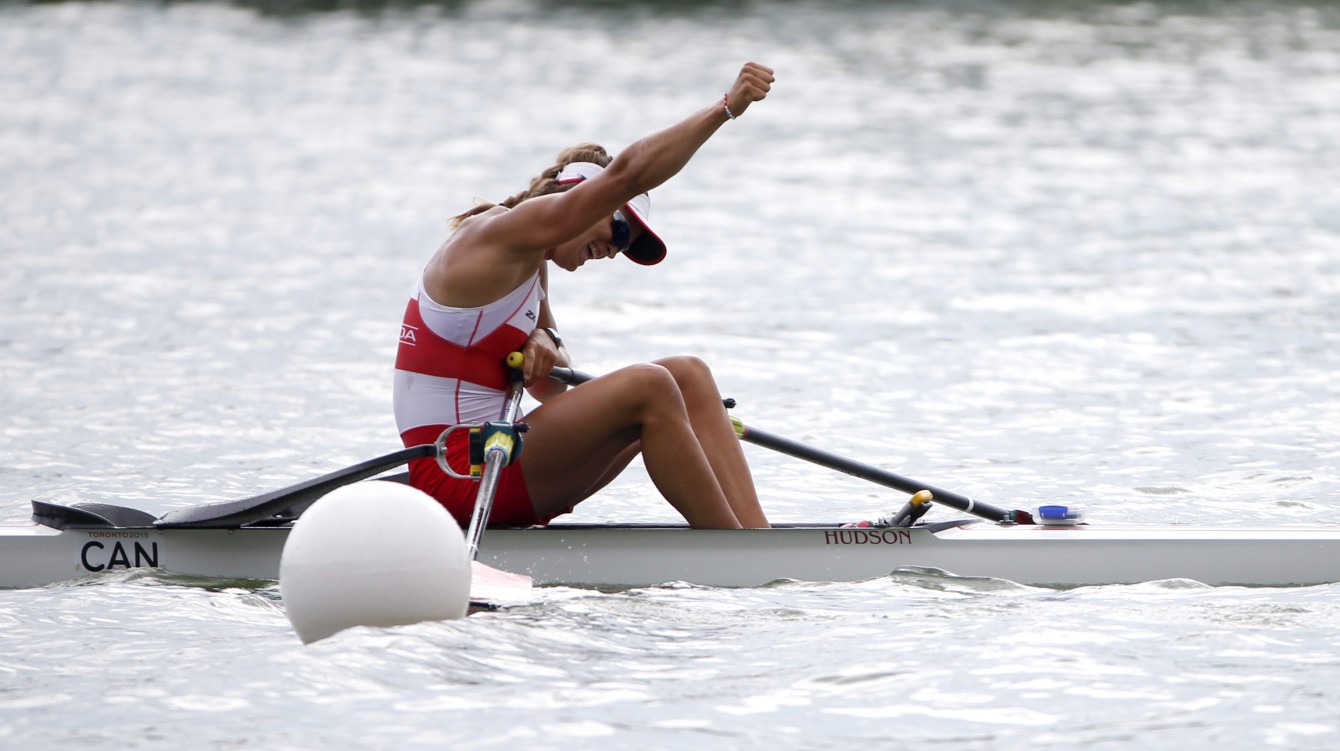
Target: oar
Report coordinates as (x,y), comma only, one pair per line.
(877,475)
(490,587)
(501,443)
(295,497)
(843,464)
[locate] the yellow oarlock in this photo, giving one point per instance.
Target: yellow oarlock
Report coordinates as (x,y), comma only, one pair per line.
(494,435)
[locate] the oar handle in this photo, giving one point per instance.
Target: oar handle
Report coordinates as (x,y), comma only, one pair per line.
(843,464)
(569,376)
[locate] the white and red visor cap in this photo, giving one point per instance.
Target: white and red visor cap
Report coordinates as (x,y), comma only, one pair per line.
(648,249)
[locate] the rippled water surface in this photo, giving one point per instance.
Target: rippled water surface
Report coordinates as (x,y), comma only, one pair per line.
(1028,251)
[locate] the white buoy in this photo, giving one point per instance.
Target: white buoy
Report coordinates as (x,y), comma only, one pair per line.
(373,554)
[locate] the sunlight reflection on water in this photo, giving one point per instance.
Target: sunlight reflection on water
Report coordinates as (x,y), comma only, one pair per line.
(1028,251)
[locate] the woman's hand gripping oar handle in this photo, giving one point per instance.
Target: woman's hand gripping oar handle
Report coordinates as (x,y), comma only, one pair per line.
(842,464)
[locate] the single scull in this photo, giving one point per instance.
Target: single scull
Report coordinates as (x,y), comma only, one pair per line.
(244,539)
(69,542)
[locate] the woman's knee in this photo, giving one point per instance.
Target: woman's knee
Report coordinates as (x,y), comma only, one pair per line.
(652,384)
(691,373)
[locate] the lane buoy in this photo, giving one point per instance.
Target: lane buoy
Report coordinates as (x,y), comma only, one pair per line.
(373,553)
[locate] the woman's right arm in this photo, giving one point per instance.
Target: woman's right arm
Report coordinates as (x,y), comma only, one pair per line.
(546,221)
(650,161)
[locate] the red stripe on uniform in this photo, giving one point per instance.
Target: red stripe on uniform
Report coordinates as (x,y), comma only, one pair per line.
(480,363)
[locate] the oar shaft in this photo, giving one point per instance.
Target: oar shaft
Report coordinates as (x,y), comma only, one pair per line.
(494,461)
(873,474)
(293,499)
(569,376)
(843,464)
(496,457)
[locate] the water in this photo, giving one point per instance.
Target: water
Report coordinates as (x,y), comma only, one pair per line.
(1027,251)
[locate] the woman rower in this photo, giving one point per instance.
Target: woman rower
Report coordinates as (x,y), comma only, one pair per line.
(484,294)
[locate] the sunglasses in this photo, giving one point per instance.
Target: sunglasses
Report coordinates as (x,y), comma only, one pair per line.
(621,235)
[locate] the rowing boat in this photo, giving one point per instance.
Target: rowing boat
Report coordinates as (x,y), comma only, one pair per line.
(1050,546)
(64,543)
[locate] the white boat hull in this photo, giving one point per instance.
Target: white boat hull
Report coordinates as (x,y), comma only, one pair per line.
(1047,556)
(36,555)
(622,556)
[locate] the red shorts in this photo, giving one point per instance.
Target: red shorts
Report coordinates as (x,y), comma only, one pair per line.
(511,501)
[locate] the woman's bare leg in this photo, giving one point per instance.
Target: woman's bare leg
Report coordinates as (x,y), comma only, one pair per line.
(717,436)
(580,439)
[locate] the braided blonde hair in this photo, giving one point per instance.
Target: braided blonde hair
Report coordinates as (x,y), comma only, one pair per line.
(547,182)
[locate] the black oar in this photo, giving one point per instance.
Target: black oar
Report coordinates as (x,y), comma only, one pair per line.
(877,475)
(843,464)
(294,498)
